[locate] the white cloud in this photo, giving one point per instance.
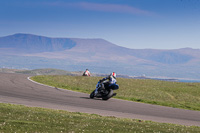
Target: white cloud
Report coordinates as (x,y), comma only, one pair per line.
(103,7)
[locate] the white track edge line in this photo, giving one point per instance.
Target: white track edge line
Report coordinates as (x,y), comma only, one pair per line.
(52,86)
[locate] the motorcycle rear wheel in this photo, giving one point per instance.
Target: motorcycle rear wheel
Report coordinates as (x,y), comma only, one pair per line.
(110,94)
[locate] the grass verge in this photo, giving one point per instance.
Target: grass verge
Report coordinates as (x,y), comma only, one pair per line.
(172,94)
(19,118)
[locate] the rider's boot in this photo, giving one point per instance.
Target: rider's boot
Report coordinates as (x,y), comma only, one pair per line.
(114,94)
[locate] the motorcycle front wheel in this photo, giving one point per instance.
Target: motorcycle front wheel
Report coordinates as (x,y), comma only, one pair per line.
(92,95)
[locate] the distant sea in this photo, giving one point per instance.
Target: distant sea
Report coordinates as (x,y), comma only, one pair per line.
(189,81)
(172,80)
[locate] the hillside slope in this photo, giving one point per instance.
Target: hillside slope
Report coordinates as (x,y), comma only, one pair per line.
(33,51)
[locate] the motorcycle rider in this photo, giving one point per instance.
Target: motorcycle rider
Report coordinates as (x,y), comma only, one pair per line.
(86,73)
(109,81)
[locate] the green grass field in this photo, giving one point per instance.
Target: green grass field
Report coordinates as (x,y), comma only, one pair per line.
(22,119)
(172,94)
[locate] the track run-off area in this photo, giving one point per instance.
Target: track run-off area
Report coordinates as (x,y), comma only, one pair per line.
(19,89)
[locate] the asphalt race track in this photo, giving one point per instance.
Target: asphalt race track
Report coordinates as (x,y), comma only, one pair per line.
(17,89)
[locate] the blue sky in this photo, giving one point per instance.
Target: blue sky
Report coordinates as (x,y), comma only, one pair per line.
(137,24)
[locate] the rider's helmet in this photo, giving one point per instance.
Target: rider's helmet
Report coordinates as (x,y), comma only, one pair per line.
(113,75)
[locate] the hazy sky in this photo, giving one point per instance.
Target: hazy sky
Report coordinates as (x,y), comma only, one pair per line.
(138,24)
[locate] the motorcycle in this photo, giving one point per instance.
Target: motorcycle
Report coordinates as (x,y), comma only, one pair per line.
(104,92)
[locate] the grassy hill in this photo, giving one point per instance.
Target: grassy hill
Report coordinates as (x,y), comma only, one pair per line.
(6,70)
(47,71)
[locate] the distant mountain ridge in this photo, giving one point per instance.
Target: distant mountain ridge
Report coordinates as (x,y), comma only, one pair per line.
(35,44)
(98,54)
